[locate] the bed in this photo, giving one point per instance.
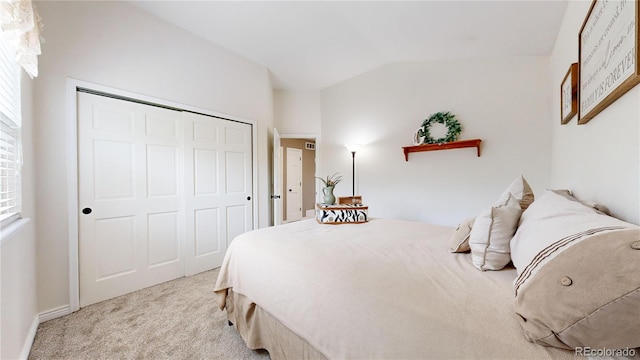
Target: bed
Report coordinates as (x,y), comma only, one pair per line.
(385,289)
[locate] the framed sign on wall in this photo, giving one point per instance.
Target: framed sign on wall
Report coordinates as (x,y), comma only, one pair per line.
(608,55)
(569,94)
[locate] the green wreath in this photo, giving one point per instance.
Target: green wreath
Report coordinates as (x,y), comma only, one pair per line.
(447,119)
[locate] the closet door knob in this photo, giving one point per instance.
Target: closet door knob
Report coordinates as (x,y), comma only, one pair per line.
(248,197)
(86,211)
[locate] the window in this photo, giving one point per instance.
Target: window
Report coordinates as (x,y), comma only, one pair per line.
(10,153)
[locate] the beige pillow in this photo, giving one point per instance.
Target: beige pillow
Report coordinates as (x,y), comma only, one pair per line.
(521,191)
(460,238)
(578,282)
(491,233)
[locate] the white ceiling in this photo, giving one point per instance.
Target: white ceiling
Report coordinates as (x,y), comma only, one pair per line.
(309,45)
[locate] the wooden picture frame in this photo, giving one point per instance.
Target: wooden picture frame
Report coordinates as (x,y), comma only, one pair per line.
(569,94)
(608,55)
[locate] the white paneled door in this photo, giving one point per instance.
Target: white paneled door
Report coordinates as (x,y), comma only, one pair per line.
(294,184)
(159,193)
(277,178)
(218,196)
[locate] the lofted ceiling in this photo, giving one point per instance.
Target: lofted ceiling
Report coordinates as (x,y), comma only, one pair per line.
(310,45)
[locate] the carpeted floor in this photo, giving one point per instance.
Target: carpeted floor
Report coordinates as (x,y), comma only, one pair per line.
(175,320)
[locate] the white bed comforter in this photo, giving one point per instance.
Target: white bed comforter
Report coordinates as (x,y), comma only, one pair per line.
(384,289)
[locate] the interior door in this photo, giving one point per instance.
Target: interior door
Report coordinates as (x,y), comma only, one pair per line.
(218,194)
(277,179)
(130,161)
(294,184)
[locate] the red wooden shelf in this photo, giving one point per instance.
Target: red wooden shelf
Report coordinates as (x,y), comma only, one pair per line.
(446,146)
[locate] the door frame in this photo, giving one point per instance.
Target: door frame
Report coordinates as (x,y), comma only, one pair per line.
(72,86)
(312,136)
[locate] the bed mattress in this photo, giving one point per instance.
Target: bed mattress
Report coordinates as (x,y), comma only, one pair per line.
(380,290)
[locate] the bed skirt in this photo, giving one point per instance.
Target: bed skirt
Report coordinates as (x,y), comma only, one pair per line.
(260,330)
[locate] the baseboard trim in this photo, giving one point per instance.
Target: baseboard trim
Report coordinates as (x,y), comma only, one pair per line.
(37,320)
(54,313)
(31,335)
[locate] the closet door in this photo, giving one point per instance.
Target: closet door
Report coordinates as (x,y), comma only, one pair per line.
(131,188)
(218,196)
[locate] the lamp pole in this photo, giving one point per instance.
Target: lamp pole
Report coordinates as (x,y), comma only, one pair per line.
(353,173)
(352,149)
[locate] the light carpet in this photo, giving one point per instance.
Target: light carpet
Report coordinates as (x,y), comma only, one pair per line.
(178,319)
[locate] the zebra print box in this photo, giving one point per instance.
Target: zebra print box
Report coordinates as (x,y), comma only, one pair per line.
(341,213)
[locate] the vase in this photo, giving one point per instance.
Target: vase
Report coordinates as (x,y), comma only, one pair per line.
(328,198)
(417,138)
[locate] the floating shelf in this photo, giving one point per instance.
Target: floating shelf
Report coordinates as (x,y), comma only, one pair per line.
(446,146)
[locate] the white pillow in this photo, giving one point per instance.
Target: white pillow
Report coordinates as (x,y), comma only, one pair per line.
(601,208)
(491,233)
(556,215)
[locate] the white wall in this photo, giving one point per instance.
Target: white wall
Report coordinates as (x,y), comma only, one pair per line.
(117,45)
(18,298)
(600,160)
(504,102)
(297,112)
